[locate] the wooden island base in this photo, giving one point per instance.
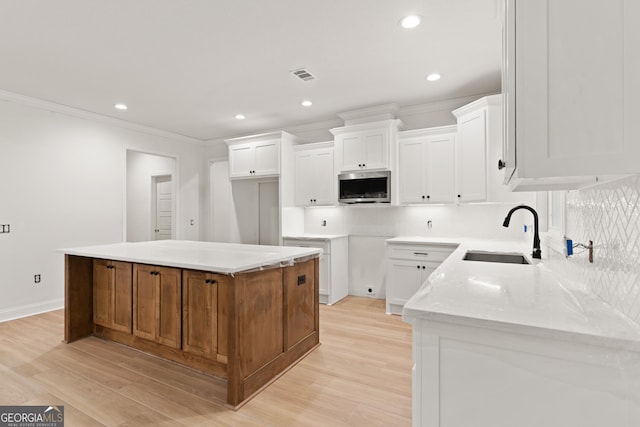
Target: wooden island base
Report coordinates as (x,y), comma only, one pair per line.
(247,328)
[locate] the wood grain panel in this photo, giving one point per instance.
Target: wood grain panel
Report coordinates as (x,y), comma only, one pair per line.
(78,297)
(260,318)
(169,306)
(122,296)
(224,284)
(199,313)
(144,302)
(299,302)
(102,292)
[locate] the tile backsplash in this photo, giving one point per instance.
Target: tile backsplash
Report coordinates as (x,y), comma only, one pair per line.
(608,214)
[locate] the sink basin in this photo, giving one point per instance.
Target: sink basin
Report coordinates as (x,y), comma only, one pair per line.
(506,258)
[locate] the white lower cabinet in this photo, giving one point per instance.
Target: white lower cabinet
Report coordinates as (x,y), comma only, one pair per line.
(408,266)
(482,376)
(334,262)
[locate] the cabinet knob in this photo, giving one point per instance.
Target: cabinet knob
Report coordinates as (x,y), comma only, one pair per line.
(364,166)
(428,197)
(418,267)
(423,197)
(423,267)
(501,164)
(459,196)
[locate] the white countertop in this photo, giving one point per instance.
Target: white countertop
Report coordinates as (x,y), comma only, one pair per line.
(529,299)
(311,236)
(227,258)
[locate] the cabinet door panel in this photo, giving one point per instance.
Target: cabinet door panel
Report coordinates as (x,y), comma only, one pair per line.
(144,302)
(199,312)
(266,158)
(323,178)
(102,290)
(241,160)
(375,152)
(325,274)
(440,169)
(260,318)
(305,178)
(411,172)
(299,302)
(352,152)
(169,307)
(471,158)
(404,279)
(122,296)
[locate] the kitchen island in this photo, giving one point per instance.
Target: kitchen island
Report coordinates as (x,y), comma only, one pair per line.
(244,313)
(523,345)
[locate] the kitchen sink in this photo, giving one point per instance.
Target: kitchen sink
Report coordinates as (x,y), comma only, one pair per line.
(503,257)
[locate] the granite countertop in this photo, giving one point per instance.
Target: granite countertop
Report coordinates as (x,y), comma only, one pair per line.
(531,299)
(226,258)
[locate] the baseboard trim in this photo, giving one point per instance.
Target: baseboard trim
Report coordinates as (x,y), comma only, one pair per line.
(30,309)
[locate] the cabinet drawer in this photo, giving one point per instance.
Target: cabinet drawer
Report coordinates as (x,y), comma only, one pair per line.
(325,245)
(419,253)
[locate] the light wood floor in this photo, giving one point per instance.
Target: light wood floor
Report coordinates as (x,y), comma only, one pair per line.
(359,376)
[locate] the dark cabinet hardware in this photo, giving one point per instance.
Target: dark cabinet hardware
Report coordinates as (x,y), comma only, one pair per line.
(501,164)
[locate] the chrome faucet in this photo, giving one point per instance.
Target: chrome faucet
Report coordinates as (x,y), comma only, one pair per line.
(536,237)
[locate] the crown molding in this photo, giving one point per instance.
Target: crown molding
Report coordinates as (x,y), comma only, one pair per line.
(373,113)
(88,115)
(446,105)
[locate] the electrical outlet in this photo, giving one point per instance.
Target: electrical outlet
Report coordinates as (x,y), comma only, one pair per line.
(5,228)
(371,290)
(36,278)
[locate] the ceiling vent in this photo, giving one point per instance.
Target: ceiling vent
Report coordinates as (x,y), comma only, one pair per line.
(303,74)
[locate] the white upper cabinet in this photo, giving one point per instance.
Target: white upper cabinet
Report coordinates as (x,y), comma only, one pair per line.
(571,84)
(315,177)
(471,147)
(426,165)
(365,145)
(255,156)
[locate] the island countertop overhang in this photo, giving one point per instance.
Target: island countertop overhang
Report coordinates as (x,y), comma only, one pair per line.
(225,258)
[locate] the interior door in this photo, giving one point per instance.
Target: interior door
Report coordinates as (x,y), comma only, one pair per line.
(163,207)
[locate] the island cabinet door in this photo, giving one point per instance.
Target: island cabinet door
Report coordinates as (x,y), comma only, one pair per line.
(200,313)
(169,306)
(157,296)
(112,294)
(299,302)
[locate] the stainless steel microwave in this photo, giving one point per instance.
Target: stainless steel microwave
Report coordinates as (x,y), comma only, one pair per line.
(365,187)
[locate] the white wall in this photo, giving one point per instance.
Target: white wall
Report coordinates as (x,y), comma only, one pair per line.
(62,184)
(141,168)
(368,226)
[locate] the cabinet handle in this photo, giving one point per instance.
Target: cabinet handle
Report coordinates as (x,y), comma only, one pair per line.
(501,164)
(421,253)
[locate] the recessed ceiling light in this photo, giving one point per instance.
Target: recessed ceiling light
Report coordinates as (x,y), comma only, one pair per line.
(410,21)
(240,116)
(306,103)
(433,77)
(120,106)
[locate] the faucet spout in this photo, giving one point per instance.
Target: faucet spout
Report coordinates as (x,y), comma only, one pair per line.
(537,253)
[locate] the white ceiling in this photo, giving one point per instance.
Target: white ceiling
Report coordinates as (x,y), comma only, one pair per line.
(188,66)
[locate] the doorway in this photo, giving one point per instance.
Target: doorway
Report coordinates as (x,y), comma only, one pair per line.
(150,197)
